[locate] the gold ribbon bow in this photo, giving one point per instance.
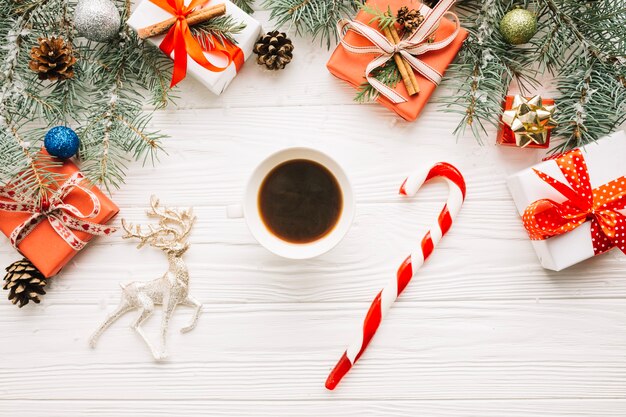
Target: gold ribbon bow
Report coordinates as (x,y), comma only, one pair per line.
(530,120)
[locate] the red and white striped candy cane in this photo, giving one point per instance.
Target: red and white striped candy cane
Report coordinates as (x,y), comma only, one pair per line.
(385,298)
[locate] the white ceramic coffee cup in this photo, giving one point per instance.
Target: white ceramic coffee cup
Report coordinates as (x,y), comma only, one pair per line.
(249,209)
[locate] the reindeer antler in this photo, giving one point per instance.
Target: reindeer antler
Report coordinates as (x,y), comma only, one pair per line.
(156,235)
(182,218)
(135,231)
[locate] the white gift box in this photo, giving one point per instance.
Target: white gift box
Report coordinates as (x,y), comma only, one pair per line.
(148,13)
(605,162)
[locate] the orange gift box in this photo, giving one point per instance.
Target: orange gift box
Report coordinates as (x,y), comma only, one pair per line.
(350,67)
(43,246)
(506,137)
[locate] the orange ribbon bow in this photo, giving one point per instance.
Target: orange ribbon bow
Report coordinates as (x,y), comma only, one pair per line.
(546,218)
(180,40)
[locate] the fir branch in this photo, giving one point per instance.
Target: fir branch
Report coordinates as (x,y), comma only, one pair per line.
(116,126)
(103,101)
(30,170)
(484,68)
(221,28)
(384,19)
(245,5)
(389,74)
(582,43)
(317,18)
(26,7)
(591,64)
(592,102)
(153,73)
(561,17)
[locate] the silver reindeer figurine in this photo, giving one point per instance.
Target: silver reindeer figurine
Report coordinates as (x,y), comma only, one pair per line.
(172,289)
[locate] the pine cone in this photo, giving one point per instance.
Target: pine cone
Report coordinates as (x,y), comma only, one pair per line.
(53,59)
(274,50)
(430,3)
(410,19)
(24,282)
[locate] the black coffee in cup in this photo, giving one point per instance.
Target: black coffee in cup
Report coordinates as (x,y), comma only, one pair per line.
(300,201)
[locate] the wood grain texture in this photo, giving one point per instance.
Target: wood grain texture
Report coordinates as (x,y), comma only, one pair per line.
(482,331)
(425,350)
(346,408)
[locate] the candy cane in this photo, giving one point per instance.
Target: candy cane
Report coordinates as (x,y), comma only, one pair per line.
(385,298)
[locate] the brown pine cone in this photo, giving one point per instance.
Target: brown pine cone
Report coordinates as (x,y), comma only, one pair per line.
(24,282)
(430,3)
(274,50)
(53,59)
(410,19)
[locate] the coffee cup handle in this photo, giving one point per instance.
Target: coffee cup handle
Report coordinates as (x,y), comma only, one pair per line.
(234,211)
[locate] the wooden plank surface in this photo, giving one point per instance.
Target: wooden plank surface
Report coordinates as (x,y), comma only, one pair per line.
(424,350)
(483,330)
(346,408)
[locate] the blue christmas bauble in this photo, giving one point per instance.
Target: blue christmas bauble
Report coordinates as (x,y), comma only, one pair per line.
(61,142)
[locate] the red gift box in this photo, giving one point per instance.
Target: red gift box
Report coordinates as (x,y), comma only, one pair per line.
(49,237)
(351,67)
(506,137)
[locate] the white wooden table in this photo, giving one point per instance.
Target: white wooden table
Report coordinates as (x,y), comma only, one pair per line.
(482,331)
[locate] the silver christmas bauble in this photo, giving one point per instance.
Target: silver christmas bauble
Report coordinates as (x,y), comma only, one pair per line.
(97,20)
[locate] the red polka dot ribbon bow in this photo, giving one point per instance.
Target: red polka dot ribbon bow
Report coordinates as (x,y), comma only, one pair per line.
(547,218)
(62,217)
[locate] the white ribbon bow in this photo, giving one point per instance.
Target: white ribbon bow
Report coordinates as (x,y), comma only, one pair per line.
(409,48)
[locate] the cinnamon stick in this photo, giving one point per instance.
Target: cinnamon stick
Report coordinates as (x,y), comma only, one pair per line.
(194,18)
(402,65)
(396,39)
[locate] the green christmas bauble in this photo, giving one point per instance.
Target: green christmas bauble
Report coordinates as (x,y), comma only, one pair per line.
(518,26)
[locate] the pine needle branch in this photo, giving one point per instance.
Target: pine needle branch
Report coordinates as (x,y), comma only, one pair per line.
(221,28)
(384,19)
(317,18)
(583,44)
(484,68)
(389,75)
(103,101)
(245,5)
(20,163)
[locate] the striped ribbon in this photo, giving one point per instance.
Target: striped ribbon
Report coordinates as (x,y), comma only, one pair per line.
(410,48)
(62,217)
(385,298)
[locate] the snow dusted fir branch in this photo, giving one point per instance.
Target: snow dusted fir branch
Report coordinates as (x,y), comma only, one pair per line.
(245,5)
(317,18)
(589,63)
(18,158)
(582,44)
(115,126)
(103,101)
(484,69)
